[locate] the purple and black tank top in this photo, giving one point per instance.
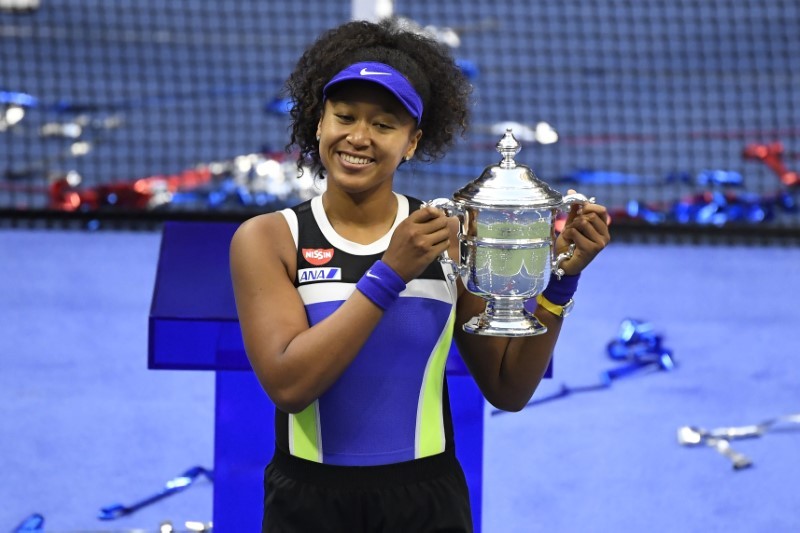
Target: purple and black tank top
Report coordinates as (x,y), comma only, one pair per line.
(391,404)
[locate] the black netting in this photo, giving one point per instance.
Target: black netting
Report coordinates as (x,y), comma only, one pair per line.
(666,111)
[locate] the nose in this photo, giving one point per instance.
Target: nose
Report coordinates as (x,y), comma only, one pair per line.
(359,135)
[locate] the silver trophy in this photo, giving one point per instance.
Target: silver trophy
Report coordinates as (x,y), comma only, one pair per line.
(506,242)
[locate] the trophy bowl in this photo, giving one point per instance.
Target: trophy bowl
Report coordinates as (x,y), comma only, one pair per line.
(506,242)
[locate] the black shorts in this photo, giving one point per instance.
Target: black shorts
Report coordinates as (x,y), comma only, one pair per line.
(424,495)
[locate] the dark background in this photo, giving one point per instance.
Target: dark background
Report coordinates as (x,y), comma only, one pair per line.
(648,95)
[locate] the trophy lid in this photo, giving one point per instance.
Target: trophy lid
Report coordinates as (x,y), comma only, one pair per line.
(508,184)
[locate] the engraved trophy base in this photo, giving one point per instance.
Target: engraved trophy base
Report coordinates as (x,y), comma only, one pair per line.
(506,319)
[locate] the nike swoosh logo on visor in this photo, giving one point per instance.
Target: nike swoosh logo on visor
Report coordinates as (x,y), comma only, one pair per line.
(365,72)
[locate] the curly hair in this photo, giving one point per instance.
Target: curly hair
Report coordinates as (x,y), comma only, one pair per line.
(426,63)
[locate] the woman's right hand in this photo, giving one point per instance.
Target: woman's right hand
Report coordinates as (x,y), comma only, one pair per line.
(417,241)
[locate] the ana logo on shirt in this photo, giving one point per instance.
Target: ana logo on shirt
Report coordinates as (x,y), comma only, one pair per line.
(304,275)
(318,256)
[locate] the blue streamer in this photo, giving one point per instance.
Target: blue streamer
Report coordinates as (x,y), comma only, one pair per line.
(33,524)
(17,98)
(182,482)
(279,106)
(719,177)
(637,344)
(468,68)
(717,206)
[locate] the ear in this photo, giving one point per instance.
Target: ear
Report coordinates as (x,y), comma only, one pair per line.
(412,144)
(319,123)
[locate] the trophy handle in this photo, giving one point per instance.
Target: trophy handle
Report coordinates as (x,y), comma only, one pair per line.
(568,200)
(575,198)
(450,209)
(557,270)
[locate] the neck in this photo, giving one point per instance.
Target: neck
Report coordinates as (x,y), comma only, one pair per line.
(360,218)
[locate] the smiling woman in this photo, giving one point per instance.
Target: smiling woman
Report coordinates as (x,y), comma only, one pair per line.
(364,135)
(348,316)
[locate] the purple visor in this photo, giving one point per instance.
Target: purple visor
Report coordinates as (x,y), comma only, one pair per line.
(386,77)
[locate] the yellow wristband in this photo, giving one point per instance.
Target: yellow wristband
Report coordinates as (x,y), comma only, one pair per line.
(558,310)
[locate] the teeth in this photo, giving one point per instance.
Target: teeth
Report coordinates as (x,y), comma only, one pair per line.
(355,160)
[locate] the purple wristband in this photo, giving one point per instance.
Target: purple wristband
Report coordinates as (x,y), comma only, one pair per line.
(560,291)
(381,285)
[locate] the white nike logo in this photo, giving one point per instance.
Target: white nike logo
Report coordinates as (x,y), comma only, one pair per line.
(365,72)
(371,275)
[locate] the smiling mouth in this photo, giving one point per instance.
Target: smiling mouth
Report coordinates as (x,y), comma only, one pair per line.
(354,160)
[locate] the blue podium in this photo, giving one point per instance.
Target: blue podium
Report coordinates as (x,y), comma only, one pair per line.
(193,326)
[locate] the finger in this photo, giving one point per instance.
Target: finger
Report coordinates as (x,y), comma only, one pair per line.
(574,209)
(423,234)
(427,212)
(435,224)
(584,244)
(597,221)
(600,210)
(440,242)
(574,235)
(594,208)
(589,226)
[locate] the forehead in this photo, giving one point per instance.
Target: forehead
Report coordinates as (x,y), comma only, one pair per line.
(364,92)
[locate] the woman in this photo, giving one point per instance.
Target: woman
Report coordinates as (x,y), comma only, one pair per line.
(346,314)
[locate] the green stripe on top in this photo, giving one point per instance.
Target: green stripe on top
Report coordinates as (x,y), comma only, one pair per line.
(429,438)
(304,439)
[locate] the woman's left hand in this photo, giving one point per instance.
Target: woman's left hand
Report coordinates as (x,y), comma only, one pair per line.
(587,227)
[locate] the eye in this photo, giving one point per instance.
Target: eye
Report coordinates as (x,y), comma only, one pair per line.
(384,126)
(344,117)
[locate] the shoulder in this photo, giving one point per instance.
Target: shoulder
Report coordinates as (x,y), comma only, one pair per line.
(261,235)
(261,227)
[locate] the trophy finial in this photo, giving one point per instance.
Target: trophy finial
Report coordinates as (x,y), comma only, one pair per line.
(508,147)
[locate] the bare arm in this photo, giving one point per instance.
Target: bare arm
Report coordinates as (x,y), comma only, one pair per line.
(508,370)
(296,363)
